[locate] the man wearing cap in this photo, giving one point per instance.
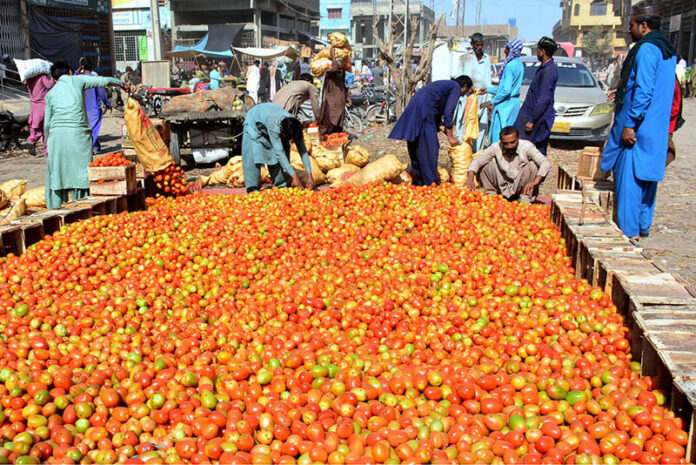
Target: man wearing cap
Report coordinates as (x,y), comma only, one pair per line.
(535,120)
(637,147)
(476,65)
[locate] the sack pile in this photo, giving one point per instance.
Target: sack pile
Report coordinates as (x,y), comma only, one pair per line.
(232,175)
(327,159)
(341,50)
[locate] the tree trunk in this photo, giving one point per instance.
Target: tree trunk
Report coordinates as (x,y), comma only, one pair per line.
(405,81)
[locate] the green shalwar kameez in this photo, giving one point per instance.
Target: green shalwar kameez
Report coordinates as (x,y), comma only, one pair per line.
(69,136)
(262,145)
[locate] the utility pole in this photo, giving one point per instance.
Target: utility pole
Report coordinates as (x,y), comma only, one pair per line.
(463,16)
(156,31)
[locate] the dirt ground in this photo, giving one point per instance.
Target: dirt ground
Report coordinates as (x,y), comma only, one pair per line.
(672,242)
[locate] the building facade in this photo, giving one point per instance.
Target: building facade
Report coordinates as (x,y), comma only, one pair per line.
(364,14)
(133,33)
(678,22)
(58,30)
(582,16)
(286,20)
(335,16)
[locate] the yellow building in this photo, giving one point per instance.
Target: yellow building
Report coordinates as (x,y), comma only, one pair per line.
(581,16)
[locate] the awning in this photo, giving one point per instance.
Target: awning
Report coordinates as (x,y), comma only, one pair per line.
(217,43)
(257,52)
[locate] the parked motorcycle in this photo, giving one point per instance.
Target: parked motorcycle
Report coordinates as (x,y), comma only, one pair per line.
(11,130)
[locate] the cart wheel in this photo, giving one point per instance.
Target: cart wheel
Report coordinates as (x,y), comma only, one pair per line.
(174,147)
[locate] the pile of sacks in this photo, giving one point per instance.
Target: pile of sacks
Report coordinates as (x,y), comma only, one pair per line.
(15,200)
(342,50)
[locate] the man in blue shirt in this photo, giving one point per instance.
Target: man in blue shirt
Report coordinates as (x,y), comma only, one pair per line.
(537,114)
(637,147)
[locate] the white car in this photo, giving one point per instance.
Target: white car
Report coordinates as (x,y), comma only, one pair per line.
(582,110)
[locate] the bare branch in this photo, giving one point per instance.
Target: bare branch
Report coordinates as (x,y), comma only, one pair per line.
(427,57)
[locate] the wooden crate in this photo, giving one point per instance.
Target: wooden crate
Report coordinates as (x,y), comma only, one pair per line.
(112,180)
(32,229)
(11,240)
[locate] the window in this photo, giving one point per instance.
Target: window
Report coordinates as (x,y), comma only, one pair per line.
(598,8)
(570,74)
(577,9)
(127,46)
(335,13)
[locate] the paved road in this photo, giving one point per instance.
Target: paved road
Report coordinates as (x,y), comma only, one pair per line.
(672,243)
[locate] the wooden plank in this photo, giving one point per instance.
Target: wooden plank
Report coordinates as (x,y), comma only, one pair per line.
(110,173)
(656,288)
(682,404)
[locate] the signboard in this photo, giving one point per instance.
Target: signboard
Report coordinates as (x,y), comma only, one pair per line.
(675,23)
(97,6)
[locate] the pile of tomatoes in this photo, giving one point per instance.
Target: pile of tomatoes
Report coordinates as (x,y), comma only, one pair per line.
(110,159)
(171,182)
(335,139)
(376,324)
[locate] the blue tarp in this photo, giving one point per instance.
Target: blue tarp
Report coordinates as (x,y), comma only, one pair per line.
(217,43)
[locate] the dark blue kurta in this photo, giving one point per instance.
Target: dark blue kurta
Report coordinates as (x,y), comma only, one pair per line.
(429,108)
(538,106)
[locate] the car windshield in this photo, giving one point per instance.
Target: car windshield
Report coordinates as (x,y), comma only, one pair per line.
(570,74)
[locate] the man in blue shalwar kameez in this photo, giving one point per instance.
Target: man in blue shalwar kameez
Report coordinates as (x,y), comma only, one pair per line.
(537,114)
(268,132)
(93,103)
(637,147)
(430,108)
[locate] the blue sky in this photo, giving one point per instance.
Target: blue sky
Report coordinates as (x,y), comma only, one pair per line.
(535,18)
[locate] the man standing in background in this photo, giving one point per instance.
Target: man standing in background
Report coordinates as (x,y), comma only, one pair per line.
(252,80)
(476,65)
(537,114)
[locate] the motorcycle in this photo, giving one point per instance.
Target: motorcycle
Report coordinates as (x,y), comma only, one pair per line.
(11,130)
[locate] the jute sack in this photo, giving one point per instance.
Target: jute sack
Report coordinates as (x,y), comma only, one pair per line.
(461,156)
(327,159)
(384,169)
(36,197)
(296,162)
(14,188)
(337,176)
(358,156)
(15,211)
(151,150)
